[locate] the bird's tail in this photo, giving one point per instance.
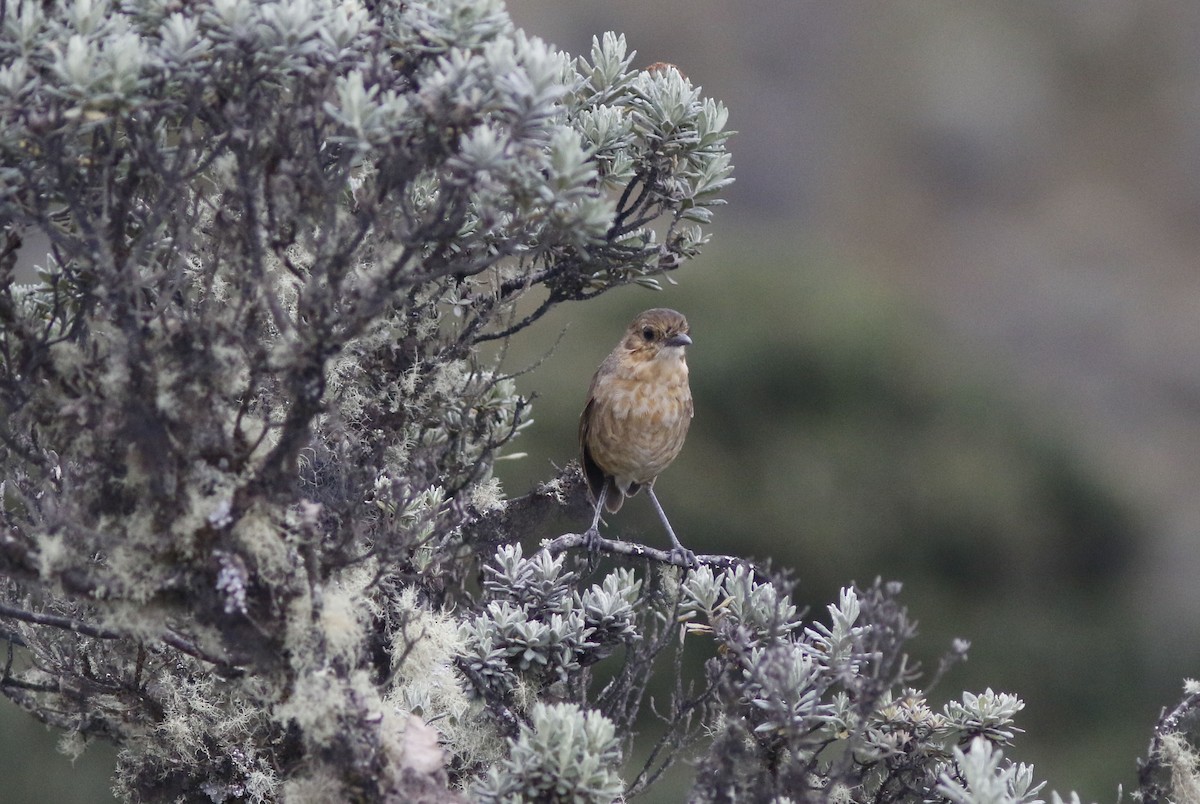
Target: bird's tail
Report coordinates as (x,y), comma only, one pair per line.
(613,499)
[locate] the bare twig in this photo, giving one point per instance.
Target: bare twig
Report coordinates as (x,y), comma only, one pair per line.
(617,547)
(184,645)
(169,638)
(56,621)
(1168,723)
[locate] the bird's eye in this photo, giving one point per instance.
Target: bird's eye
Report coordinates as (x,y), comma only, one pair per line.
(648,334)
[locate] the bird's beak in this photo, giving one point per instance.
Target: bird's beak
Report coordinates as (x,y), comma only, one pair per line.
(678,340)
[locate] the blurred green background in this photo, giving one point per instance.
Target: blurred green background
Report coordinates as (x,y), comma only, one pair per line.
(944,335)
(841,431)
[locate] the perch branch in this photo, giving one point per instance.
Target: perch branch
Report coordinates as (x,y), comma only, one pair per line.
(617,547)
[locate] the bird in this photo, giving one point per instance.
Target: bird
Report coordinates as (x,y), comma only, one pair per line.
(638,410)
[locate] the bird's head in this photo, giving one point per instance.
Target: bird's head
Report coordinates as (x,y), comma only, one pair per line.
(657,332)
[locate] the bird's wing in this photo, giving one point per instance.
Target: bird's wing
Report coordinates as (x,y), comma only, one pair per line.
(592,473)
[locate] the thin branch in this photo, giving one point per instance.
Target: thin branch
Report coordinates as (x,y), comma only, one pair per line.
(10,682)
(183,645)
(1168,724)
(617,547)
(55,621)
(675,735)
(512,329)
(170,638)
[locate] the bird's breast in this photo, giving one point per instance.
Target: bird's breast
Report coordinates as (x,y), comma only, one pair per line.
(639,420)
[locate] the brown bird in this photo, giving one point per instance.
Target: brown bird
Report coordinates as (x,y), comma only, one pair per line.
(637,414)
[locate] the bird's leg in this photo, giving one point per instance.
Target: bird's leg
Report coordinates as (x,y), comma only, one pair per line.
(592,535)
(677,549)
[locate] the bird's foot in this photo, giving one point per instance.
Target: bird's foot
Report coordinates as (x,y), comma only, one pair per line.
(591,545)
(683,557)
(591,540)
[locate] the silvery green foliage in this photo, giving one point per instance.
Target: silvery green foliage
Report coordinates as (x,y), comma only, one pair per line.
(982,777)
(539,624)
(824,711)
(244,424)
(563,754)
(794,709)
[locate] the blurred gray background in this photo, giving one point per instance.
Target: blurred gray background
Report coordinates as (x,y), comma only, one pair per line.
(945,334)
